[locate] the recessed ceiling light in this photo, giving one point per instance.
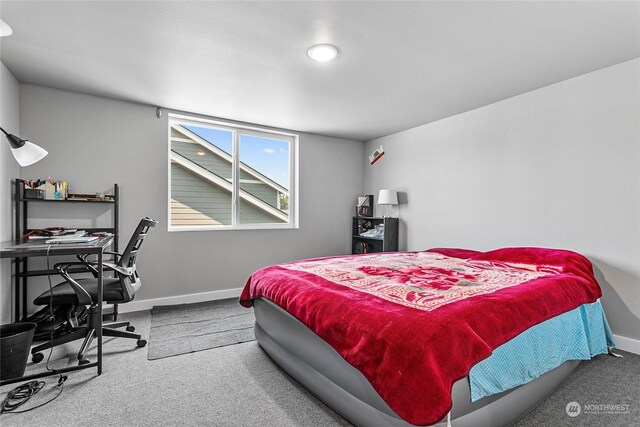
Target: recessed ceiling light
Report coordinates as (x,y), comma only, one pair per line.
(200,153)
(5,29)
(322,52)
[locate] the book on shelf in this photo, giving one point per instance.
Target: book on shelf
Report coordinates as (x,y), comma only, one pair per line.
(48,233)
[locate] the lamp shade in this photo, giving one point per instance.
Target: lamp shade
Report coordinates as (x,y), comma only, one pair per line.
(28,153)
(388,197)
(5,29)
(25,152)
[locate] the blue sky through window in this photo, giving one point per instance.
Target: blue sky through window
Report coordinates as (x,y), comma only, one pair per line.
(268,156)
(222,139)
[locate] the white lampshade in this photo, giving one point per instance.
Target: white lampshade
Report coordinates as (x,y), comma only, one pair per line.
(5,29)
(28,154)
(388,197)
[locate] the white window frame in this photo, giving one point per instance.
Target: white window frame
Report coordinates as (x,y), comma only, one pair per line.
(238,129)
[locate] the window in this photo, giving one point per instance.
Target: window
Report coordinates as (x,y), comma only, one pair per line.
(226,176)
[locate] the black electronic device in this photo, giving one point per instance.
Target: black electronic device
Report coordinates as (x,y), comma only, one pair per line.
(33,193)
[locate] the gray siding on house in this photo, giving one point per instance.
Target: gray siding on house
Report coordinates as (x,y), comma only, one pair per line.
(196,201)
(262,191)
(250,214)
(210,161)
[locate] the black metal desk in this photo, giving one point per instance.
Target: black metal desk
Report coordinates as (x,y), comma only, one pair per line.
(20,249)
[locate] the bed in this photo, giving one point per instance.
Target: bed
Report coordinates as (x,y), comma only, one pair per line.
(426,338)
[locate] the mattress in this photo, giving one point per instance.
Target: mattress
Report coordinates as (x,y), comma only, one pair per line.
(322,371)
(414,324)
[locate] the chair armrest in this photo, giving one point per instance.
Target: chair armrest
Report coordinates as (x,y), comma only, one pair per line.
(84,258)
(126,271)
(83,296)
(92,266)
(89,268)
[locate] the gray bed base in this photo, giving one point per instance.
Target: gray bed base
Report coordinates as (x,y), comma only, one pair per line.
(321,370)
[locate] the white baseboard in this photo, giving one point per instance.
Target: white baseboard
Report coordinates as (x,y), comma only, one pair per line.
(627,344)
(148,304)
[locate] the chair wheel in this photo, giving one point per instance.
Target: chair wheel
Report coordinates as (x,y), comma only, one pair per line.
(141,343)
(131,328)
(83,362)
(37,358)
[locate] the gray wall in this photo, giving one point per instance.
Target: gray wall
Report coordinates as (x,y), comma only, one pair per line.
(555,167)
(9,170)
(95,141)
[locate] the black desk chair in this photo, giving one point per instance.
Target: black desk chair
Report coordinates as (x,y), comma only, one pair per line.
(78,293)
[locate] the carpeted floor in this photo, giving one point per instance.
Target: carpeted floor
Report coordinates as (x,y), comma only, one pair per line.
(239,385)
(186,328)
(606,388)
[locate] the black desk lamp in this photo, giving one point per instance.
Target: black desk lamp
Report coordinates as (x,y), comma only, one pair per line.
(25,152)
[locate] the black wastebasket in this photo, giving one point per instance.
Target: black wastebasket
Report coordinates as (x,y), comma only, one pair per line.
(15,343)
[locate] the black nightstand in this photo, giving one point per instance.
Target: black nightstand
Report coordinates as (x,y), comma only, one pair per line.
(387,242)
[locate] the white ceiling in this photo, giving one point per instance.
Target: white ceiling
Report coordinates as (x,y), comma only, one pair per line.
(402,64)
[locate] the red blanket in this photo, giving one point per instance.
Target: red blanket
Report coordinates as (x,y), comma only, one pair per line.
(414,323)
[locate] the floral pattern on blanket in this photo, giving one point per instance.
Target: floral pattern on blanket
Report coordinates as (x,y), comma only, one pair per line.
(423,280)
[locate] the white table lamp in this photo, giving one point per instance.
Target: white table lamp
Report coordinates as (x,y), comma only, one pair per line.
(387,197)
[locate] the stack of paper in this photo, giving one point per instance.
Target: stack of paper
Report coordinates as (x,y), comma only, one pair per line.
(73,239)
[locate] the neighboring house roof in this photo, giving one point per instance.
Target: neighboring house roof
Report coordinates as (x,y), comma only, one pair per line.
(225,183)
(193,137)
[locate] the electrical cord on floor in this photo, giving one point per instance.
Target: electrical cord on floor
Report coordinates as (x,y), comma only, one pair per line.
(21,394)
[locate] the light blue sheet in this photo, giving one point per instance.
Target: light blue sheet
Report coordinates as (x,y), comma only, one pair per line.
(578,334)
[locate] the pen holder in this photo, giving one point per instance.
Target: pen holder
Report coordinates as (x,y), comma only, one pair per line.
(49,190)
